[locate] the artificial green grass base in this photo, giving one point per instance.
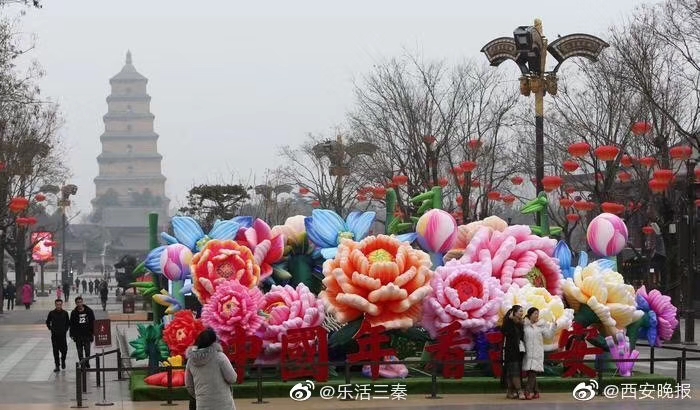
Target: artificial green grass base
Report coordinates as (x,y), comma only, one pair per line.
(416,383)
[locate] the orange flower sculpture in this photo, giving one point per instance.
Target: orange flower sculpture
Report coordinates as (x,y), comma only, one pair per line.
(381,278)
(220,261)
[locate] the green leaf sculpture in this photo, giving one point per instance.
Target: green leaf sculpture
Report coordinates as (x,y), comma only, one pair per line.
(150,345)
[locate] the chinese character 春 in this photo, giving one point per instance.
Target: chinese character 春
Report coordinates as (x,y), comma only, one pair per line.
(364,391)
(398,391)
(448,351)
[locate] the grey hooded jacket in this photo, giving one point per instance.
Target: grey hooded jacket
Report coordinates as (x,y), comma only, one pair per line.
(209,376)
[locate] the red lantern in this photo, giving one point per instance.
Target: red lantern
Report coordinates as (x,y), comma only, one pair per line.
(665,175)
(606,152)
(40,197)
(584,206)
(400,179)
(379,192)
(612,208)
(641,128)
(508,200)
(570,166)
(552,182)
(18,205)
(566,202)
(468,166)
(627,161)
(494,196)
(474,144)
(624,176)
(460,200)
(24,222)
(429,139)
(648,230)
(579,149)
(572,218)
(681,152)
(476,183)
(648,162)
(303,190)
(315,204)
(443,182)
(519,180)
(658,186)
(457,171)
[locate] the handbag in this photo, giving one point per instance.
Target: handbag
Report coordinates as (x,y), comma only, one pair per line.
(521,346)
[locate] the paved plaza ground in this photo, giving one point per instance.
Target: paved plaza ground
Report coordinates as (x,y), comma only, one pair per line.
(27,380)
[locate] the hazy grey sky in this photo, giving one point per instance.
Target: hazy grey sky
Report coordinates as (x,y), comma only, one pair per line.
(232,80)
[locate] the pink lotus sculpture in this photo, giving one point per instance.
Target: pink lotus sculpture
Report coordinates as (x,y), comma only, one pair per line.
(289,308)
(267,248)
(516,257)
(466,293)
(233,305)
(620,349)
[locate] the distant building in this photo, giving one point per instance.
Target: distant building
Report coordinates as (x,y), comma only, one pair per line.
(130,184)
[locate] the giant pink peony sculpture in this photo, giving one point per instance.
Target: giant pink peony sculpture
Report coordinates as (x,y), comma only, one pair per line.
(289,308)
(267,247)
(233,305)
(466,293)
(516,256)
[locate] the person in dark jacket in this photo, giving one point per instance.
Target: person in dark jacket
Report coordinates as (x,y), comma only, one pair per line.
(58,323)
(10,295)
(82,322)
(513,351)
(104,294)
(66,290)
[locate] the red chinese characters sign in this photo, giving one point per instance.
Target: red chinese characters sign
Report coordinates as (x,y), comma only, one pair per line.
(370,340)
(305,354)
(244,348)
(575,342)
(448,351)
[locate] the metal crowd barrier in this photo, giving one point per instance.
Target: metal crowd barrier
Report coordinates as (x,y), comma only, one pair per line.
(82,370)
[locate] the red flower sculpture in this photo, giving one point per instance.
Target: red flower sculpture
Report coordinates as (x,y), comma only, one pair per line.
(182,332)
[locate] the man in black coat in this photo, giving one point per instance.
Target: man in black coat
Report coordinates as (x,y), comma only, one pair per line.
(82,322)
(58,323)
(10,295)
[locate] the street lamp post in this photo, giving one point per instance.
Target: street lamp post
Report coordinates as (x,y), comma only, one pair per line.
(66,192)
(689,271)
(528,49)
(339,154)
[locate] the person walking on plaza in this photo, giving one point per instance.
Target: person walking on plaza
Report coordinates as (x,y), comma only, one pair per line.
(90,287)
(58,323)
(104,293)
(534,332)
(66,290)
(10,295)
(27,295)
(77,285)
(209,374)
(82,321)
(513,349)
(84,283)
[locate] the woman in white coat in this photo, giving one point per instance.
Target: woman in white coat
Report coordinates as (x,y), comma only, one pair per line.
(534,332)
